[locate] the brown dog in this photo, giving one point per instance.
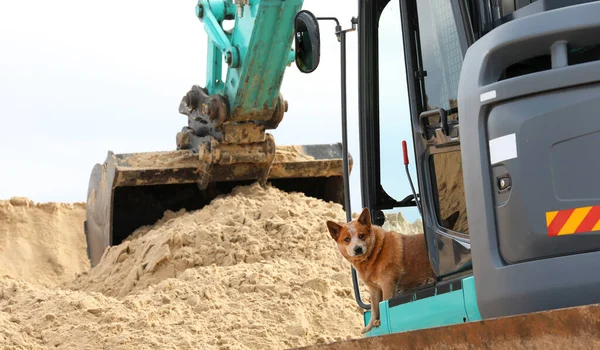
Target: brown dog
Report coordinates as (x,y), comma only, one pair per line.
(385,261)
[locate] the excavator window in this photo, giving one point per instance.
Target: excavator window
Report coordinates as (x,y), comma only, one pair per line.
(441,61)
(394,111)
(410,59)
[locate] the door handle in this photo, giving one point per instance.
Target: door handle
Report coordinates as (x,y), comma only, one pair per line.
(431,113)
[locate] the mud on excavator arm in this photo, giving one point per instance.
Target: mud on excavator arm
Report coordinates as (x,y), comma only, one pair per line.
(225,143)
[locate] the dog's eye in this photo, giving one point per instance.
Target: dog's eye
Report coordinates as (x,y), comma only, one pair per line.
(347,239)
(361,236)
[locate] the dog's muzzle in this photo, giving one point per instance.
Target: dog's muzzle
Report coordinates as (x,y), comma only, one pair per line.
(358,250)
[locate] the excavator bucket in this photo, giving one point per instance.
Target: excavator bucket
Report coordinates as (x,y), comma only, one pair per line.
(568,328)
(132,190)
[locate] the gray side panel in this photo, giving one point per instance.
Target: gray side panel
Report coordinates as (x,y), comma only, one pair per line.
(517,105)
(557,135)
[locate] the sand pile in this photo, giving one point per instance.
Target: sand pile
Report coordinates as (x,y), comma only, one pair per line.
(253,270)
(248,226)
(193,311)
(397,222)
(42,243)
(291,153)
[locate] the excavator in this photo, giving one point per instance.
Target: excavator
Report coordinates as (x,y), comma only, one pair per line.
(501,98)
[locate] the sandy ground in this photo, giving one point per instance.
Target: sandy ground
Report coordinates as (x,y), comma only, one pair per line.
(42,243)
(255,269)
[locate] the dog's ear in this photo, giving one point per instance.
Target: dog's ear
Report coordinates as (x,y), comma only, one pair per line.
(365,218)
(334,229)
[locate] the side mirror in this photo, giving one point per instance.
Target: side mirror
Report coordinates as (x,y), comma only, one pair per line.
(307,41)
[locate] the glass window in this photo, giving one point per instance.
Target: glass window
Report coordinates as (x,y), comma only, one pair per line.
(440,52)
(394,114)
(442,61)
(449,192)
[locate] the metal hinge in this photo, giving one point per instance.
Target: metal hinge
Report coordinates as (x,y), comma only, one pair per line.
(420,74)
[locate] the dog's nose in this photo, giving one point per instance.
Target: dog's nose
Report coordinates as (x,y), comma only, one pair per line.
(358,250)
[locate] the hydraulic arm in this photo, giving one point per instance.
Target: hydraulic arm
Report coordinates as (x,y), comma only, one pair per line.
(227,118)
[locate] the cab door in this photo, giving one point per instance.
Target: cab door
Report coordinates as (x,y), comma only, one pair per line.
(410,58)
(438,41)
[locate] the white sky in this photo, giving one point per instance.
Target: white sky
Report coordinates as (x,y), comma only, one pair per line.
(80,78)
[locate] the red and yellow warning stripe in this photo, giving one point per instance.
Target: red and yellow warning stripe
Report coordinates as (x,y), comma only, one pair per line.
(574,220)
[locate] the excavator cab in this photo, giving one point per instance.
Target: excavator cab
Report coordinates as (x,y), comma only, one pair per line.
(495,100)
(410,60)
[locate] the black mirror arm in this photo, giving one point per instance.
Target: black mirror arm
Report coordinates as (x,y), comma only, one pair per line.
(338,27)
(341,36)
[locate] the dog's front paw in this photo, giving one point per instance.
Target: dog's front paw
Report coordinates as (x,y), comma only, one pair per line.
(370,326)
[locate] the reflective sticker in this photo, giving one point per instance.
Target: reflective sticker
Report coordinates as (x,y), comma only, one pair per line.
(572,221)
(503,148)
(486,96)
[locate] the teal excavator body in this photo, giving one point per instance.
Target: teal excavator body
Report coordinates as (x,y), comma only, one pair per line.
(257,52)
